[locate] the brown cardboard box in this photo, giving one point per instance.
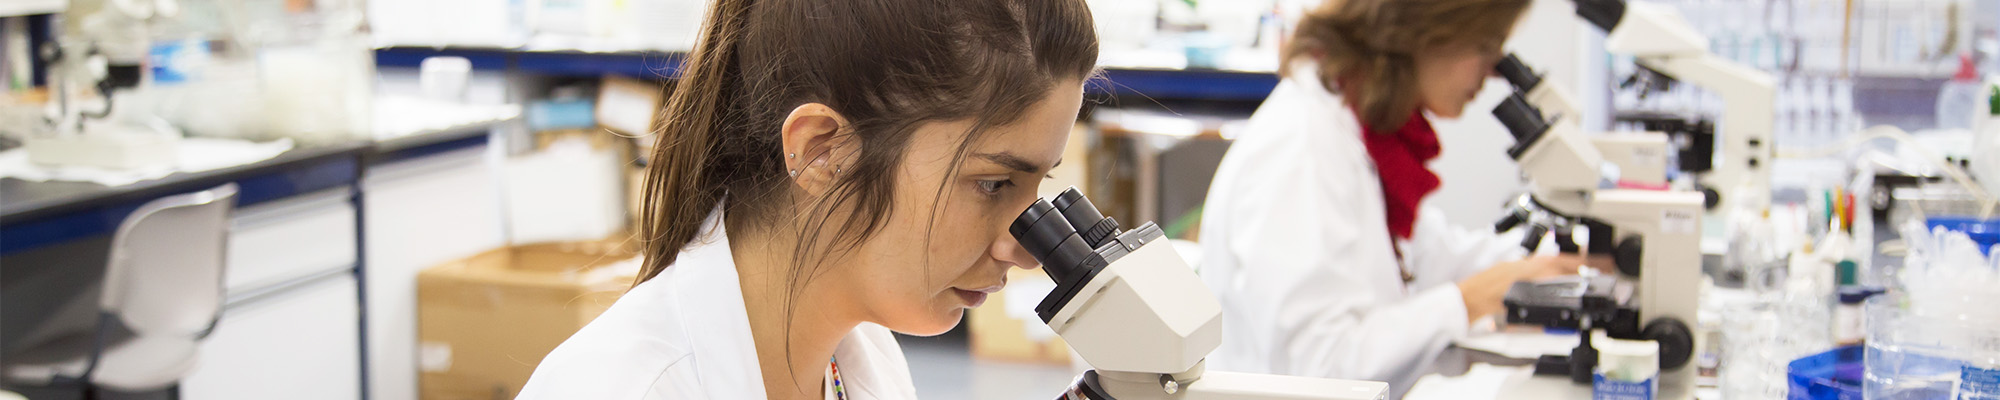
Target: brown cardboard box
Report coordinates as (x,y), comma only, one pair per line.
(484,322)
(996,335)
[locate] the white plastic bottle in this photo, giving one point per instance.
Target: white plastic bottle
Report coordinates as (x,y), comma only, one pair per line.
(1986,162)
(1961,103)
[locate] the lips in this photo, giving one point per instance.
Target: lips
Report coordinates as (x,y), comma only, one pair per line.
(977,296)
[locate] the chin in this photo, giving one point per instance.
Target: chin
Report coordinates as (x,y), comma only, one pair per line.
(932,325)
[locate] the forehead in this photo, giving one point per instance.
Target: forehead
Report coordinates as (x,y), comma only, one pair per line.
(1040,133)
(1037,136)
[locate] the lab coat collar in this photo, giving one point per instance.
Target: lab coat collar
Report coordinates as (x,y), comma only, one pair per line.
(725,354)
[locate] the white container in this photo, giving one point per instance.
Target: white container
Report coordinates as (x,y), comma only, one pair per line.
(319,92)
(1986,144)
(1626,369)
(445,78)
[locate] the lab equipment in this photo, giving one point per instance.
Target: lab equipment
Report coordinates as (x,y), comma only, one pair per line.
(1915,353)
(1832,375)
(1962,101)
(1987,141)
(104,60)
(163,285)
(1133,309)
(1937,335)
(1653,235)
(1848,321)
(1626,369)
(1667,48)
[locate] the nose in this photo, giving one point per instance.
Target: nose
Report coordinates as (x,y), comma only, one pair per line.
(1008,250)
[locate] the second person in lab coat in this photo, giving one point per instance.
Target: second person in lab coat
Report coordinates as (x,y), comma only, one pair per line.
(1315,235)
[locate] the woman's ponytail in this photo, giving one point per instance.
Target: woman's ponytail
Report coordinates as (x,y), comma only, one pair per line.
(681,187)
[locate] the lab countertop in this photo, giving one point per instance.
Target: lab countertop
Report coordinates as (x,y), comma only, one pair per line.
(24,200)
(36,213)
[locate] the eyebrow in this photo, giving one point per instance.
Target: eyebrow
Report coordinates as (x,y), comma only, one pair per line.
(1014,162)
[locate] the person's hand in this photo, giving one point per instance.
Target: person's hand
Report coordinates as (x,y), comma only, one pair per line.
(1602,263)
(1485,291)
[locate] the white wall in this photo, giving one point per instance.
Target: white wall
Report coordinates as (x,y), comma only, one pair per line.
(1478,176)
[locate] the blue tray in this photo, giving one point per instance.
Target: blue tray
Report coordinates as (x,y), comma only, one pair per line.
(1833,375)
(1984,232)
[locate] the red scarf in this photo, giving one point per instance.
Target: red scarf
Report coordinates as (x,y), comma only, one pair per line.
(1399,160)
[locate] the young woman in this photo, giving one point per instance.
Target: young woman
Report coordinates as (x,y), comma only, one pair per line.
(1314,235)
(831,171)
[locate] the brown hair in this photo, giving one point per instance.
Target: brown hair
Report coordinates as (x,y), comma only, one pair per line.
(885,65)
(1370,43)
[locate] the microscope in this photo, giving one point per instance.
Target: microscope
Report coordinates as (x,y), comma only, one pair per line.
(104,59)
(1130,306)
(1669,51)
(1654,236)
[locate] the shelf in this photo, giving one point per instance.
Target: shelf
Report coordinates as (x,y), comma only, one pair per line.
(1157,84)
(16,8)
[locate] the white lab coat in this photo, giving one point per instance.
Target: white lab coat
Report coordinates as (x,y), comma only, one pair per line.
(685,335)
(1296,245)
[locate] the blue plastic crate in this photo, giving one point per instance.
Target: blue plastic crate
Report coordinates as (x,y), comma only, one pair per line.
(1833,375)
(1984,232)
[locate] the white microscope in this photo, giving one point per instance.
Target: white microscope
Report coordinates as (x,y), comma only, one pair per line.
(1654,235)
(1663,44)
(104,60)
(1134,310)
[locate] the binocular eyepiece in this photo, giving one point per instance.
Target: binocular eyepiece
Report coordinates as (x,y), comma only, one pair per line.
(1073,241)
(1049,231)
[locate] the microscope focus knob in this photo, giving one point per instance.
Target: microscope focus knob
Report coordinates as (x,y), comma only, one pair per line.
(1631,251)
(1710,197)
(1676,342)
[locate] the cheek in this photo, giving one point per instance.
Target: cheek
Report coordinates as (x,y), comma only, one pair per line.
(918,258)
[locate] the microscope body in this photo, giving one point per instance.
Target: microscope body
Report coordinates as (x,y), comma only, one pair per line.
(1128,304)
(1660,40)
(1654,235)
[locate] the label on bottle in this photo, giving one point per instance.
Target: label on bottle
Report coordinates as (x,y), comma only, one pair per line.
(1602,388)
(1975,383)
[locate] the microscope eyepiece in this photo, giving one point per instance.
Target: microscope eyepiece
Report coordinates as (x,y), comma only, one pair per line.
(1605,14)
(1517,73)
(1048,236)
(1082,215)
(1523,121)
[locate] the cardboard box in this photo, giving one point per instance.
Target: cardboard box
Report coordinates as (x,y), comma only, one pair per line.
(1006,329)
(486,321)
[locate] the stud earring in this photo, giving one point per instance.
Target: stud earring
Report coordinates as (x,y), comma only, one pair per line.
(795,173)
(792,155)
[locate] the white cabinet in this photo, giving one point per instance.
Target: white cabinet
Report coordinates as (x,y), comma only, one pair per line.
(418,213)
(292,326)
(301,343)
(284,240)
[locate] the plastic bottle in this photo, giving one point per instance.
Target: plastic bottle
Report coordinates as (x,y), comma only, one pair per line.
(1986,165)
(1962,100)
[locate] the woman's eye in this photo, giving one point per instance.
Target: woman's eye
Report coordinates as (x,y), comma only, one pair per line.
(994,187)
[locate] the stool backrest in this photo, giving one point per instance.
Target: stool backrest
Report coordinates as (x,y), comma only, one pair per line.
(167,261)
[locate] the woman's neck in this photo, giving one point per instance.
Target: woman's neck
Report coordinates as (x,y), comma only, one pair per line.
(794,337)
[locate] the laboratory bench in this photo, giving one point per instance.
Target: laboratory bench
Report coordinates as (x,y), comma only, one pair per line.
(323,239)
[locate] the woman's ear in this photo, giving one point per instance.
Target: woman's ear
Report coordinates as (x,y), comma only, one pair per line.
(817,147)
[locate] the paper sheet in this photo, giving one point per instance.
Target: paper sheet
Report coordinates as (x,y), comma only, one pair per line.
(1483,381)
(1521,345)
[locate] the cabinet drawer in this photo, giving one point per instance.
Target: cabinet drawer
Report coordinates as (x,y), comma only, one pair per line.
(284,240)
